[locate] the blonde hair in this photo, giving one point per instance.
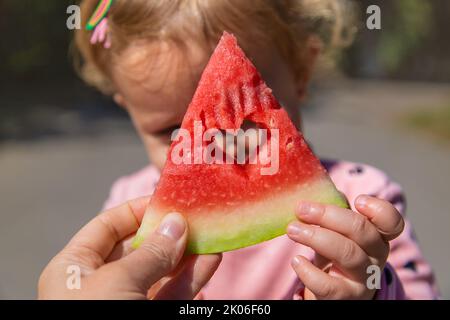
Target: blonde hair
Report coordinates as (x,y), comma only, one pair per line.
(287,24)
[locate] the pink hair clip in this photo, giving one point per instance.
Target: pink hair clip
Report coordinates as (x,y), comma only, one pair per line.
(99,23)
(100,34)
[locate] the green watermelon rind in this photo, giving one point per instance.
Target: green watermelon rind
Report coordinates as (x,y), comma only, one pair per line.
(250,236)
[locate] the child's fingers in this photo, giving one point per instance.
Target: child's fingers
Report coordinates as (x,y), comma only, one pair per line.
(321,284)
(382,214)
(321,262)
(191,279)
(344,221)
(345,253)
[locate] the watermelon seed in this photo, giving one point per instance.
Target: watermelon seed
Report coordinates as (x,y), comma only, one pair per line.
(272,122)
(289,143)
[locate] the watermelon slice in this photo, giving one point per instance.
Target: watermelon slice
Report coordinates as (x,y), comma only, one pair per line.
(230,206)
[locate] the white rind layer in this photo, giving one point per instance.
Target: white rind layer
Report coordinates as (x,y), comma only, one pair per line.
(253,222)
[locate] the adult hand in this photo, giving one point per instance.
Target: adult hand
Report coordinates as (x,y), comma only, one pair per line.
(109,269)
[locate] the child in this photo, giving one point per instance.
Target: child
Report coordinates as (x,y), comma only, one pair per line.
(149,55)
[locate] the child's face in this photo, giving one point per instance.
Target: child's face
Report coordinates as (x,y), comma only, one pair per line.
(155,83)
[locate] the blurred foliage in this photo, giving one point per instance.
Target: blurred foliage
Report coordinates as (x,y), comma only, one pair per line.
(413,42)
(36,37)
(409,27)
(435,121)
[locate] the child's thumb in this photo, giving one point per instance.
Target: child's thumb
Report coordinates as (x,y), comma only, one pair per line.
(159,254)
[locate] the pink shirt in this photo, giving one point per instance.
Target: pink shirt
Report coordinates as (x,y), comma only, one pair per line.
(263,271)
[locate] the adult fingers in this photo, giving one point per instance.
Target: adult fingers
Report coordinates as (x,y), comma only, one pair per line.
(96,240)
(158,255)
(382,214)
(122,249)
(191,279)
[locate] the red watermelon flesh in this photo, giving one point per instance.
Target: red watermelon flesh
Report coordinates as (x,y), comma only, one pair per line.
(230,206)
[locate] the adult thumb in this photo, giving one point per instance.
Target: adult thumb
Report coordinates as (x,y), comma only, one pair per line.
(159,254)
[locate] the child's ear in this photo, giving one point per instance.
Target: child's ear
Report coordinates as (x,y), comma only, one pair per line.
(314,49)
(120,100)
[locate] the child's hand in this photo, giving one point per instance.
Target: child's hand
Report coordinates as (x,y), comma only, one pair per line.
(111,270)
(352,241)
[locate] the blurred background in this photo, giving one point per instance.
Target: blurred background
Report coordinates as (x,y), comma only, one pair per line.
(62,144)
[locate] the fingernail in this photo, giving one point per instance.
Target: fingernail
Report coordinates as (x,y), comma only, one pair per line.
(362,200)
(296,261)
(172,226)
(306,209)
(294,229)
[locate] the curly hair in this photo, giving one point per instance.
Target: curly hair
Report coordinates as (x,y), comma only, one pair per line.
(289,25)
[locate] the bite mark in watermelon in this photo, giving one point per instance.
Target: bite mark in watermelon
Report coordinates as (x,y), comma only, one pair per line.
(230,206)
